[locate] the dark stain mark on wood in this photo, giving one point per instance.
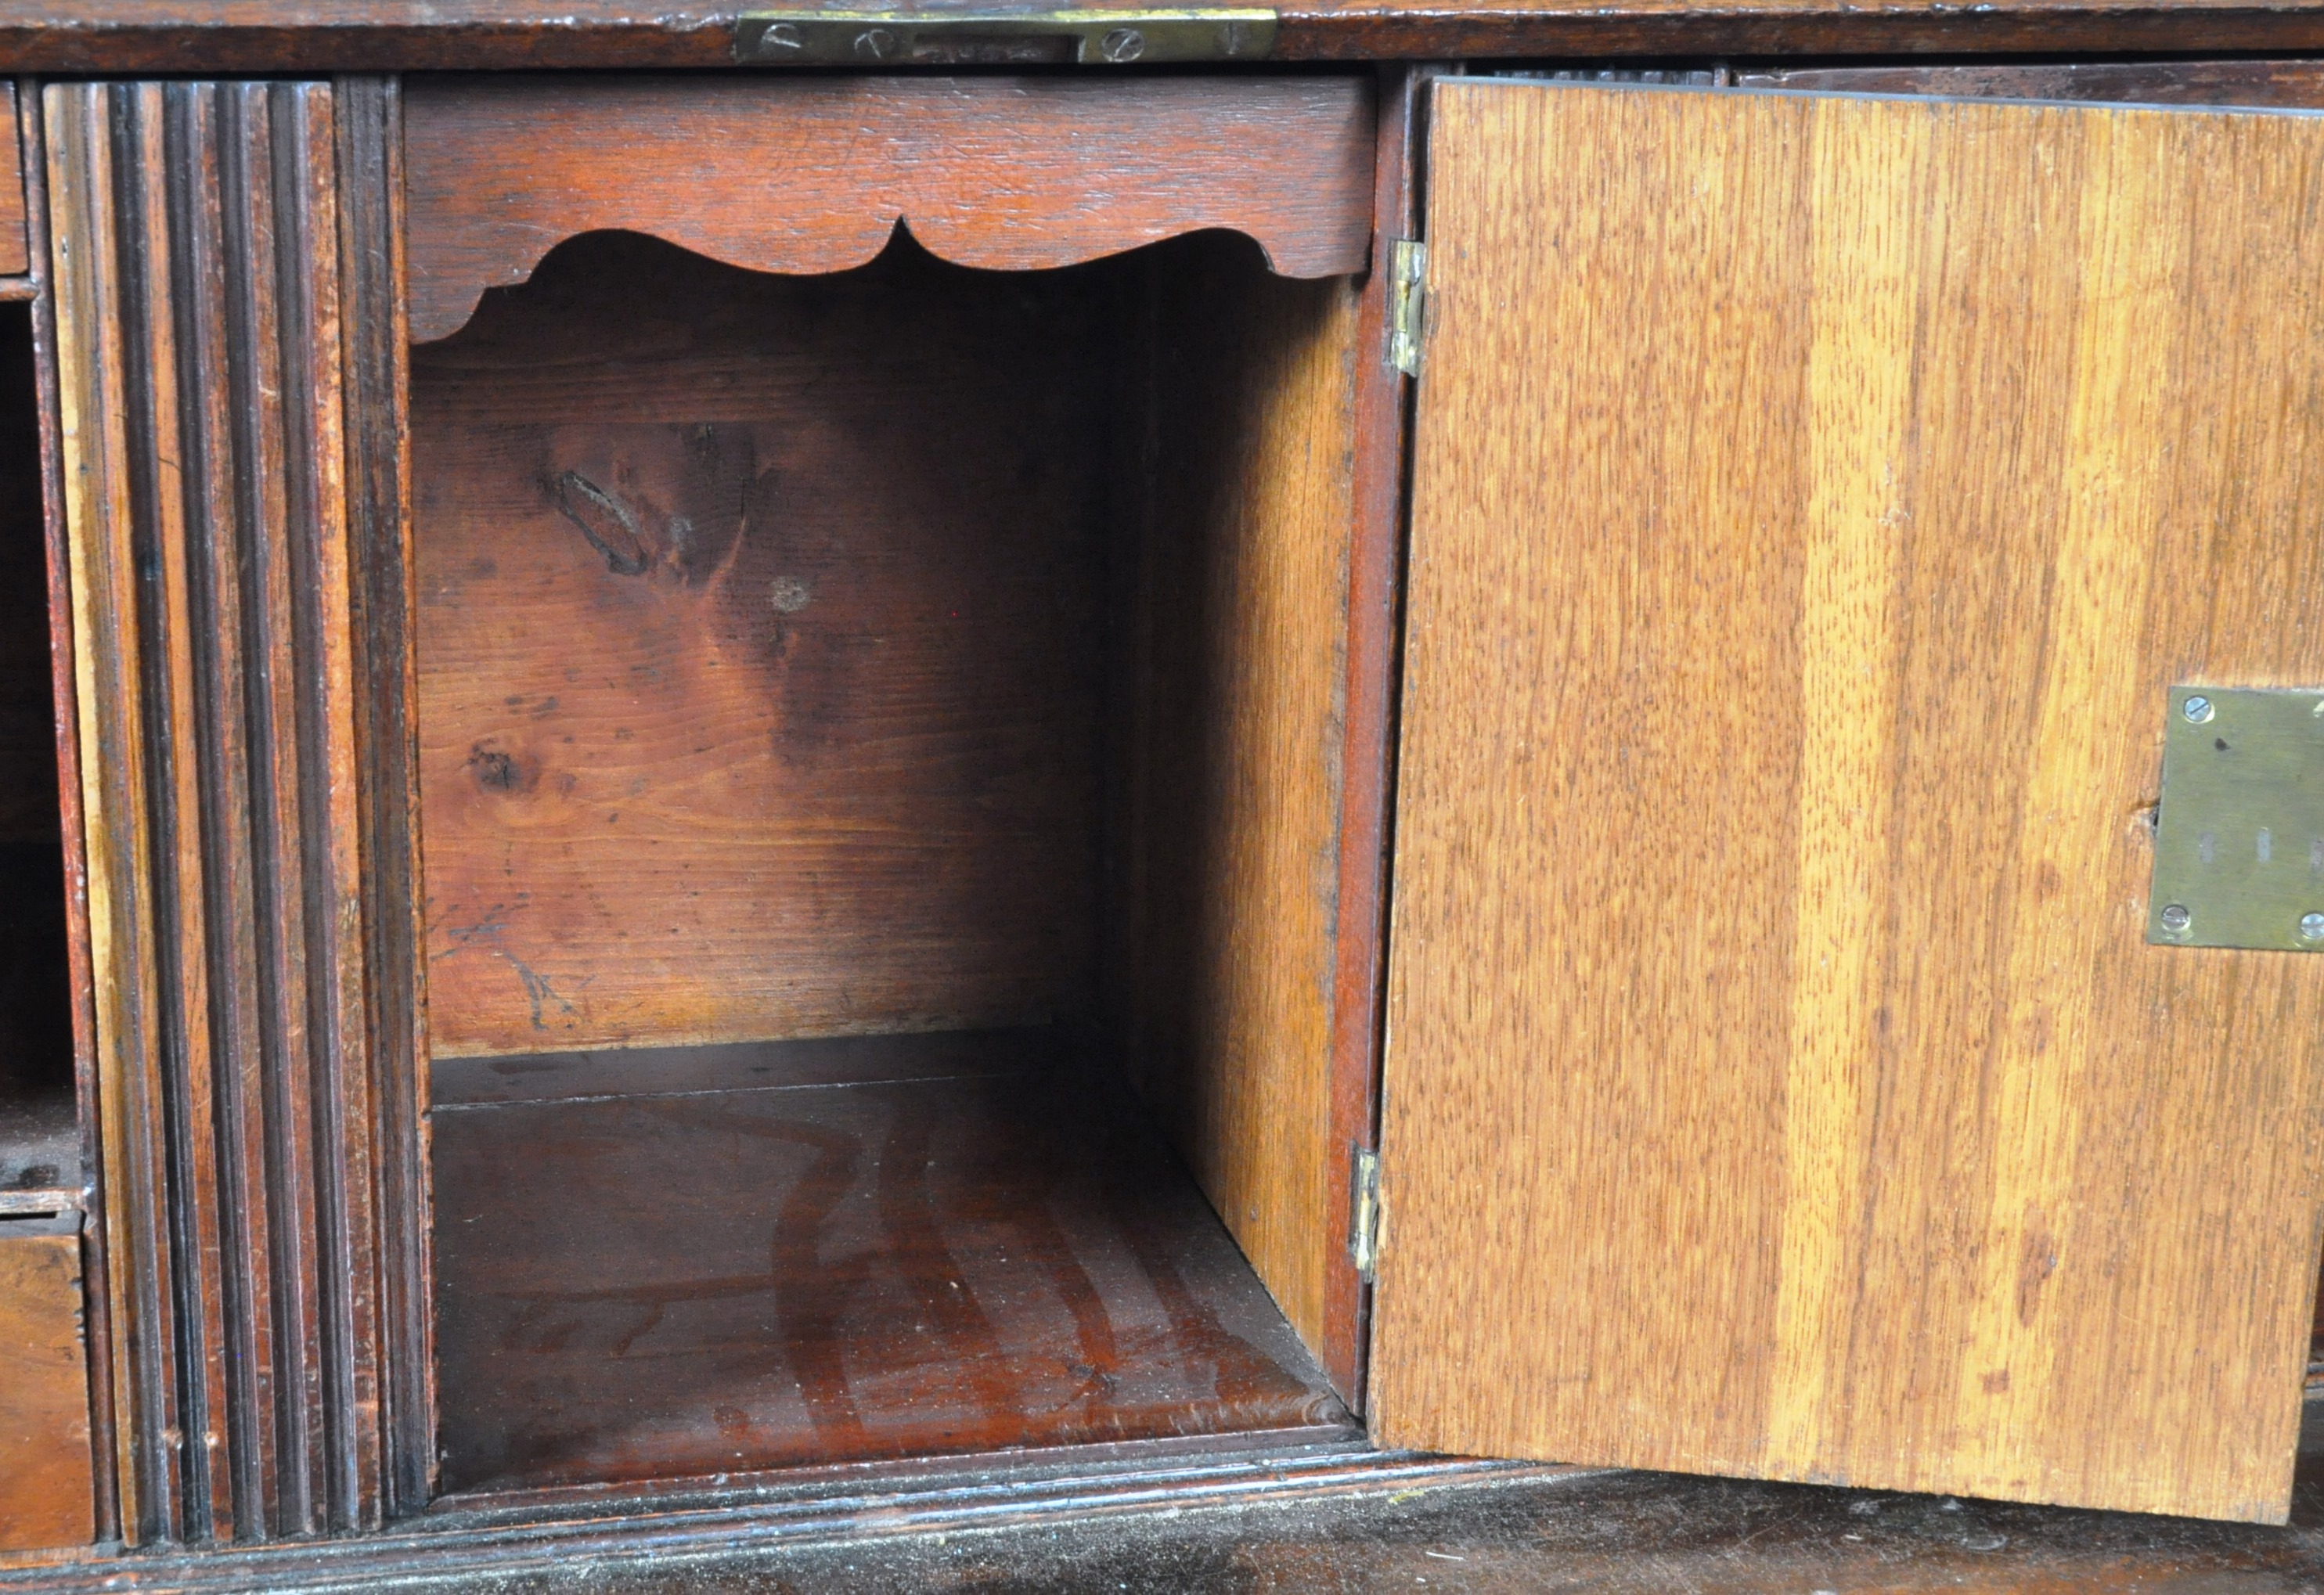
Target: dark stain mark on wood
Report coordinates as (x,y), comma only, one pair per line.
(496,769)
(486,933)
(629,561)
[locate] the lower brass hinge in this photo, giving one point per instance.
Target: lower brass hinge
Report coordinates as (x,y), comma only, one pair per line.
(1363,1211)
(1067,37)
(1407,303)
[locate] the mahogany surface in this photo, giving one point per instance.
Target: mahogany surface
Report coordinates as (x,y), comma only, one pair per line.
(802,174)
(690,1285)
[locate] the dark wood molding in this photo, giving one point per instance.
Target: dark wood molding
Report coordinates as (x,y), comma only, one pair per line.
(378,438)
(95,1295)
(772,173)
(204,411)
(639,1527)
(124,971)
(257,36)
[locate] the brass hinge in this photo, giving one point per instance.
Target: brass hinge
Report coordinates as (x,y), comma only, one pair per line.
(1363,1211)
(1407,303)
(1089,38)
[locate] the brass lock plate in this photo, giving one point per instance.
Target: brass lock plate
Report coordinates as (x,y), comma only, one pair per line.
(2239,839)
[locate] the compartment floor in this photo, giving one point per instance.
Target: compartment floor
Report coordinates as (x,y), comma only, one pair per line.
(678,1285)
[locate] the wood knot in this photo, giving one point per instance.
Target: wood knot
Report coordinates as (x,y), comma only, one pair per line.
(497,770)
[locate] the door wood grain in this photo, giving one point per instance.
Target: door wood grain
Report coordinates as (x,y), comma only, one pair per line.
(1814,500)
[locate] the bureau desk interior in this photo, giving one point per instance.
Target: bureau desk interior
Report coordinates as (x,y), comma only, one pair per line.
(844,713)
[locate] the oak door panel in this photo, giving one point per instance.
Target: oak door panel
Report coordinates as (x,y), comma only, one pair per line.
(1815,499)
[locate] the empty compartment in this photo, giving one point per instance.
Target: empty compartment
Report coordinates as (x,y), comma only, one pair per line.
(878,809)
(46,1497)
(39,1136)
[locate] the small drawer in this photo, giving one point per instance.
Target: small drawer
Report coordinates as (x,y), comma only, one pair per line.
(15,252)
(46,1499)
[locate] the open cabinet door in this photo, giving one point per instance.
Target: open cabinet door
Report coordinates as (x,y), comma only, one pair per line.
(1817,500)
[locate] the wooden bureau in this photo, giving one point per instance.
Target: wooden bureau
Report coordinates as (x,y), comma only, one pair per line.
(763,760)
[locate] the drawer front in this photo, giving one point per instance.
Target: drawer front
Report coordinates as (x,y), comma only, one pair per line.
(15,252)
(45,1492)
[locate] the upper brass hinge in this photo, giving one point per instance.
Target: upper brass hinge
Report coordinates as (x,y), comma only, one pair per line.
(1363,1211)
(1407,303)
(1089,38)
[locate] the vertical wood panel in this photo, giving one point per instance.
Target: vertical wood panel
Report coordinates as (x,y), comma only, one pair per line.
(372,326)
(1375,581)
(89,295)
(1238,637)
(1814,501)
(199,254)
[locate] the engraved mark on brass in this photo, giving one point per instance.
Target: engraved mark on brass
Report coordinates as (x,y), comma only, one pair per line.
(1064,37)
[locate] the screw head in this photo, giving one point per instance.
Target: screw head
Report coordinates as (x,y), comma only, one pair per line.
(878,43)
(2197,709)
(780,38)
(2311,927)
(1122,45)
(2176,919)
